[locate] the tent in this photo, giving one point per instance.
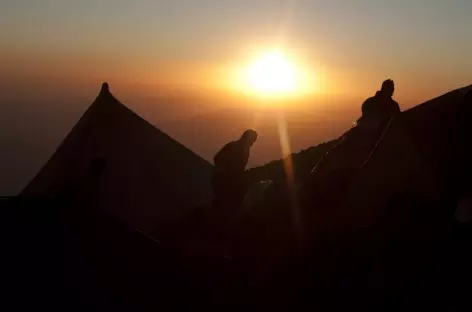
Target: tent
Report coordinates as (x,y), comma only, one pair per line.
(148,178)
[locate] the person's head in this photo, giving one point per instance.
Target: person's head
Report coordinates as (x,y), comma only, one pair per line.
(249,137)
(388,87)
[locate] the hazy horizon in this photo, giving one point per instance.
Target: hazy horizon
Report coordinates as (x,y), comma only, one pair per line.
(28,148)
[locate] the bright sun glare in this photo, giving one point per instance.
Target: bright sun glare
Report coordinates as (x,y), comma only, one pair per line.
(272,73)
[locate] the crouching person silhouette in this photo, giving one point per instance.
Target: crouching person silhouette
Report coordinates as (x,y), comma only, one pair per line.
(229,177)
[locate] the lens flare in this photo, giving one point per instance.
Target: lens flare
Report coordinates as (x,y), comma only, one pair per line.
(288,166)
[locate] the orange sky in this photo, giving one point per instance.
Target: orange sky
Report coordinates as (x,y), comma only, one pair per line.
(151,76)
(349,48)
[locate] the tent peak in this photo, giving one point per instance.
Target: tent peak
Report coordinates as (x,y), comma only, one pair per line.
(105,89)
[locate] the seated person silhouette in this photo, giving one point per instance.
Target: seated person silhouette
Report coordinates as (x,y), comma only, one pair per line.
(381,107)
(229,177)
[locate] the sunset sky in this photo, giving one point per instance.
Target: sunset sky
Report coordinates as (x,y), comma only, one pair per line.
(347,47)
(172,60)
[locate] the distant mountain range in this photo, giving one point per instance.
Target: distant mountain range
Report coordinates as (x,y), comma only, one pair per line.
(206,134)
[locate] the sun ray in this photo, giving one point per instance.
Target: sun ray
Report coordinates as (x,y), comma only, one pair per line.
(288,167)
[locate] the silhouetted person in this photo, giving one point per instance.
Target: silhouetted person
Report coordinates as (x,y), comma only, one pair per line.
(229,177)
(381,106)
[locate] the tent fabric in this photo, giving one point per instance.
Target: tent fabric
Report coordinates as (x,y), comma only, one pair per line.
(148,178)
(424,152)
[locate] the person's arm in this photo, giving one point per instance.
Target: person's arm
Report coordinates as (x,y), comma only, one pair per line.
(223,158)
(364,107)
(218,160)
(245,160)
(368,106)
(397,107)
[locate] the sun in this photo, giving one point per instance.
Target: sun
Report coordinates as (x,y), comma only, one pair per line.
(272,73)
